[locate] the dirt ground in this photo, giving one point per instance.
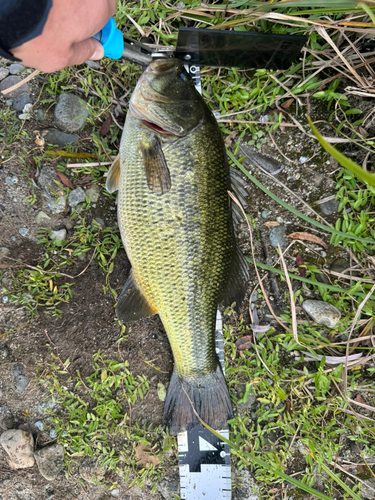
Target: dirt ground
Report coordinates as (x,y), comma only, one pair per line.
(87,323)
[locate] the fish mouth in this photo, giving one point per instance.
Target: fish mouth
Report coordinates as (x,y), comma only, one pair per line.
(153,125)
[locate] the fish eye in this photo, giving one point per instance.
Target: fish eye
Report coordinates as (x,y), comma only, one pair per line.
(183,76)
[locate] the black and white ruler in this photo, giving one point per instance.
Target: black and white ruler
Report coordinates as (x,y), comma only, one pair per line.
(204,460)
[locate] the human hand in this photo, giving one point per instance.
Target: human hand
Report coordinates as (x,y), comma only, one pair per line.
(66,39)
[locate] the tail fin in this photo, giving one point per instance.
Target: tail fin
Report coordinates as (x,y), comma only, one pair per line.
(208,394)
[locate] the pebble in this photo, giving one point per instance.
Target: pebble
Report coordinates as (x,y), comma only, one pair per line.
(168,487)
(20,102)
(254,296)
(40,116)
(46,405)
(4,251)
(264,214)
(5,299)
(115,492)
(69,224)
(11,180)
(6,420)
(247,488)
(99,221)
(23,231)
(76,197)
(54,136)
(322,312)
(9,102)
(46,182)
(58,235)
(53,434)
(277,237)
(329,207)
(19,377)
(93,193)
(50,461)
(340,265)
(71,112)
(4,72)
(9,81)
(19,447)
(42,218)
(4,351)
(16,69)
(24,116)
(39,425)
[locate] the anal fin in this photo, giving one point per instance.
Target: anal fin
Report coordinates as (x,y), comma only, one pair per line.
(238,279)
(132,304)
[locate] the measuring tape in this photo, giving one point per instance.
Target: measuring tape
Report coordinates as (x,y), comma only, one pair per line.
(204,460)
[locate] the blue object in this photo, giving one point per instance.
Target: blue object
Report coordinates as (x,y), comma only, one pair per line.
(112,40)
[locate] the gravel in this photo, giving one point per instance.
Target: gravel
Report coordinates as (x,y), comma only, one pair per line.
(76,197)
(50,461)
(20,102)
(322,312)
(20,379)
(71,112)
(16,69)
(56,202)
(277,237)
(42,218)
(58,235)
(18,446)
(8,82)
(54,136)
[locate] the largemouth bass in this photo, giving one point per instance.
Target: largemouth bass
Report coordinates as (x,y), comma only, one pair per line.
(175,220)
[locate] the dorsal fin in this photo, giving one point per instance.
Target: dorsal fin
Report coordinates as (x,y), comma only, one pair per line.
(113,178)
(132,304)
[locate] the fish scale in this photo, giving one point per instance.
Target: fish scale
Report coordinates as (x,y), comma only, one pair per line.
(192,228)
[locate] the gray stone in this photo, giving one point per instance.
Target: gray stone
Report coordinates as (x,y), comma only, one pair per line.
(277,237)
(53,434)
(20,102)
(264,214)
(368,489)
(322,312)
(19,377)
(23,231)
(40,116)
(50,461)
(250,403)
(93,193)
(8,82)
(10,180)
(69,224)
(339,265)
(51,192)
(42,218)
(18,446)
(170,485)
(9,102)
(115,492)
(71,112)
(247,489)
(76,197)
(4,72)
(58,235)
(254,296)
(6,419)
(16,69)
(329,207)
(4,351)
(39,425)
(98,221)
(24,116)
(46,405)
(4,252)
(54,136)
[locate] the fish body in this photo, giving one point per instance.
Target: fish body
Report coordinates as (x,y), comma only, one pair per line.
(176,225)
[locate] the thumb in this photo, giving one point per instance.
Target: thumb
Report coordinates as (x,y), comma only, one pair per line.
(87,49)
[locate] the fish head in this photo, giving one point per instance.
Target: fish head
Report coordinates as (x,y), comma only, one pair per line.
(166,100)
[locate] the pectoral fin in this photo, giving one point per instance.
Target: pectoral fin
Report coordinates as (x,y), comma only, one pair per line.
(132,304)
(157,171)
(113,178)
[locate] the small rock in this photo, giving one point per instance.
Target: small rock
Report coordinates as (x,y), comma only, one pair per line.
(71,112)
(76,197)
(53,434)
(42,218)
(27,107)
(4,251)
(50,461)
(9,102)
(69,224)
(54,136)
(23,231)
(5,299)
(4,351)
(368,489)
(40,116)
(21,101)
(18,446)
(16,69)
(46,405)
(6,419)
(339,265)
(329,207)
(10,180)
(264,214)
(168,487)
(98,221)
(9,81)
(58,235)
(254,296)
(19,377)
(4,72)
(39,425)
(93,193)
(277,237)
(24,116)
(56,202)
(115,492)
(247,488)
(322,312)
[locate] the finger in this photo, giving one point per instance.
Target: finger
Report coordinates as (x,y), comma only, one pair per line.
(87,49)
